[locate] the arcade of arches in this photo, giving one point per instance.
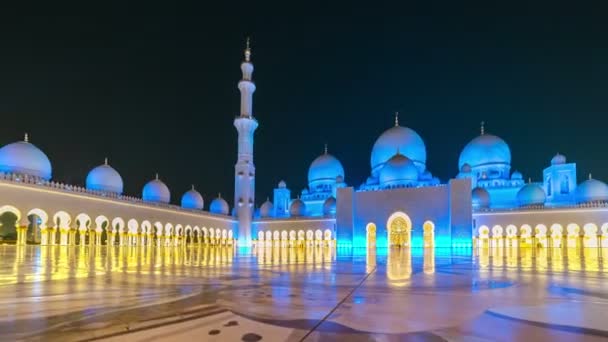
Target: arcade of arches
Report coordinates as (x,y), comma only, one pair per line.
(572,235)
(63,229)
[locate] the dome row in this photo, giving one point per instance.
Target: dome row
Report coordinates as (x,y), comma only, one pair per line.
(23,157)
(532,194)
(297,208)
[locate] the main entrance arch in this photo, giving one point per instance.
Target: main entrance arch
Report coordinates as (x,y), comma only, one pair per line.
(399,230)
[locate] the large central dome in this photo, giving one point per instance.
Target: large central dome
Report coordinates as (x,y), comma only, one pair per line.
(401,140)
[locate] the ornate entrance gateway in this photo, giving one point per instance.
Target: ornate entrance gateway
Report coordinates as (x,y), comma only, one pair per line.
(399,230)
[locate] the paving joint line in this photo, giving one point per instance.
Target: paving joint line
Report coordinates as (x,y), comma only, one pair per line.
(338,305)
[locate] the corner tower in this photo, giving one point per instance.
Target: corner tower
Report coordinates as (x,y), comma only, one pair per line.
(244,170)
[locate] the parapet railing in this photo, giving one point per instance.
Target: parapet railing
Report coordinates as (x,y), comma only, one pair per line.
(37,181)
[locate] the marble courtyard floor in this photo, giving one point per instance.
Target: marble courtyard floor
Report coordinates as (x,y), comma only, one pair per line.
(316,294)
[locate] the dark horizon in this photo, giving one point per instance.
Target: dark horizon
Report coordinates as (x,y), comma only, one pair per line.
(155,89)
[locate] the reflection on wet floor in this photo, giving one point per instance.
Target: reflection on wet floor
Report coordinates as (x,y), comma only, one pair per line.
(100,290)
(44,263)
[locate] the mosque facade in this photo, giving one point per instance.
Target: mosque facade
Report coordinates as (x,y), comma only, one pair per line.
(486,204)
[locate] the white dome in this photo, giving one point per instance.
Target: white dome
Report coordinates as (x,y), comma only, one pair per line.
(192,199)
(219,206)
(480,198)
(156,191)
(324,169)
(398,139)
(558,159)
(282,184)
(104,178)
(329,206)
(531,194)
(297,208)
(485,149)
(266,209)
(21,157)
(591,190)
(398,170)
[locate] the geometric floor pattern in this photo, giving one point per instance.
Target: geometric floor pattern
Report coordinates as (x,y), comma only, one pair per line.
(59,293)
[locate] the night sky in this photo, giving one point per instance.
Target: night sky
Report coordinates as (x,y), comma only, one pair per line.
(154,88)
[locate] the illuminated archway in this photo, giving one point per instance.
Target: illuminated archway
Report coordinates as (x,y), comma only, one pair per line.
(370,235)
(557,234)
(590,238)
(540,233)
(525,235)
(483,236)
(38,230)
(399,230)
(428,238)
(511,235)
(10,218)
(573,231)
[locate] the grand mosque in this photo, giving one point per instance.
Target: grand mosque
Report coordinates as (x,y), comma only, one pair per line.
(401,203)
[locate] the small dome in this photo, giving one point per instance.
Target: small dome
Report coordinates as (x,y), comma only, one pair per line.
(21,157)
(282,184)
(156,191)
(192,199)
(485,149)
(325,168)
(266,209)
(558,159)
(402,139)
(465,168)
(219,206)
(398,170)
(591,190)
(480,198)
(531,194)
(517,175)
(297,208)
(329,206)
(426,175)
(104,178)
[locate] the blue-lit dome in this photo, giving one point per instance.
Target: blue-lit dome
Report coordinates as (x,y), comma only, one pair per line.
(486,149)
(329,206)
(517,175)
(21,157)
(219,206)
(558,159)
(324,169)
(531,194)
(104,178)
(266,209)
(192,199)
(591,190)
(398,170)
(402,139)
(297,208)
(156,191)
(480,198)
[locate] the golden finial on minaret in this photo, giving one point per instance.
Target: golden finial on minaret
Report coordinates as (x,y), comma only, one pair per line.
(247,50)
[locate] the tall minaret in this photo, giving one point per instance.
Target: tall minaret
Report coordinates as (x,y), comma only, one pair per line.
(244,170)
